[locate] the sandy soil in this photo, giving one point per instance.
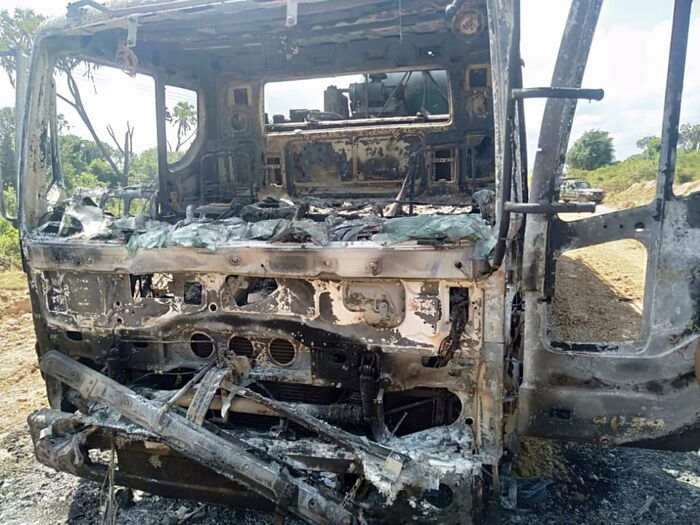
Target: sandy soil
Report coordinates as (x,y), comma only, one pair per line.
(596,285)
(642,193)
(568,483)
(20,380)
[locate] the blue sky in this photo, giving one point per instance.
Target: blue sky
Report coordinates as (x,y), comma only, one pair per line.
(628,60)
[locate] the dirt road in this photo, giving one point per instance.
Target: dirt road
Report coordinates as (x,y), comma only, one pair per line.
(568,483)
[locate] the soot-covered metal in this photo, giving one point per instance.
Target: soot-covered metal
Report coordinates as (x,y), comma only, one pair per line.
(336,313)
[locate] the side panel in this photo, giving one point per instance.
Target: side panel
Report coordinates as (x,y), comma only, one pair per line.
(641,392)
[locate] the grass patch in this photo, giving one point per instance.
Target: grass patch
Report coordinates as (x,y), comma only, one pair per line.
(620,176)
(13,280)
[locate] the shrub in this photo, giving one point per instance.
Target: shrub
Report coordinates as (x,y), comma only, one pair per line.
(9,237)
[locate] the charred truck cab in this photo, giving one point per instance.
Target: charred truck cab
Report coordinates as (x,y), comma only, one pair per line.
(341,312)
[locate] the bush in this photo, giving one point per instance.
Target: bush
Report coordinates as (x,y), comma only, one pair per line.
(9,237)
(618,177)
(9,246)
(591,151)
(683,176)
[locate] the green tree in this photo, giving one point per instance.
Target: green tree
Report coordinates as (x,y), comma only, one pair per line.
(7,147)
(689,137)
(650,146)
(16,32)
(144,166)
(591,151)
(184,119)
(83,164)
(9,236)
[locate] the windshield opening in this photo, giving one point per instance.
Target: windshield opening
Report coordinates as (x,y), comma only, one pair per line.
(332,158)
(361,99)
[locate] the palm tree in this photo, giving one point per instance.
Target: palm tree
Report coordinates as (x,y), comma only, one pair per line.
(184,119)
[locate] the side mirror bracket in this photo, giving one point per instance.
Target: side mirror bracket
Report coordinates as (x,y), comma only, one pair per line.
(22,74)
(3,209)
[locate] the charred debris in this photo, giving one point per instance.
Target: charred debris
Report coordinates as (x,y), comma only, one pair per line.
(288,318)
(315,221)
(321,311)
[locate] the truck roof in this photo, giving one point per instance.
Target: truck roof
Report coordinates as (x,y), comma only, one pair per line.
(257,20)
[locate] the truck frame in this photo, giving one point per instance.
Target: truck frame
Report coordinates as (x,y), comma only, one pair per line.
(256,341)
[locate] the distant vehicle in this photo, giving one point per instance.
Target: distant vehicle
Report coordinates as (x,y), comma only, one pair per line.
(581,191)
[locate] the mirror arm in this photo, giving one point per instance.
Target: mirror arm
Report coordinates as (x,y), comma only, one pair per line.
(3,209)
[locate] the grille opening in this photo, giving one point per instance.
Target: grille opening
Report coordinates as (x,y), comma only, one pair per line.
(240,96)
(258,291)
(193,292)
(443,154)
(440,498)
(299,392)
(443,171)
(74,336)
(339,358)
(420,409)
(171,380)
(273,171)
(443,165)
(156,285)
(478,77)
(202,345)
(241,346)
(282,351)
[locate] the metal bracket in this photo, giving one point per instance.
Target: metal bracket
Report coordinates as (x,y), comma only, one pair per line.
(557,92)
(132,31)
(3,209)
(76,9)
(292,12)
(186,388)
(453,7)
(550,208)
(206,390)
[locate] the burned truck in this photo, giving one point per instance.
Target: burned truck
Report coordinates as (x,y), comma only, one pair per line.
(344,311)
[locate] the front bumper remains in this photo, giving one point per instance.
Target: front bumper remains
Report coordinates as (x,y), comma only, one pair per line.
(429,477)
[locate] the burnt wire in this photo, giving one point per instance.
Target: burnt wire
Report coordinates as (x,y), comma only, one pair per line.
(150,374)
(458,318)
(109,512)
(412,175)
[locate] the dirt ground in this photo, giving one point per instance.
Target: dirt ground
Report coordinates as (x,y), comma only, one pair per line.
(598,287)
(563,483)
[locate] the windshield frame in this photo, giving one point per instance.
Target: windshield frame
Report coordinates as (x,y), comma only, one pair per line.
(443,120)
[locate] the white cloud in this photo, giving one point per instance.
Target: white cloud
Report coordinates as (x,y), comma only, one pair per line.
(45,7)
(114,98)
(628,59)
